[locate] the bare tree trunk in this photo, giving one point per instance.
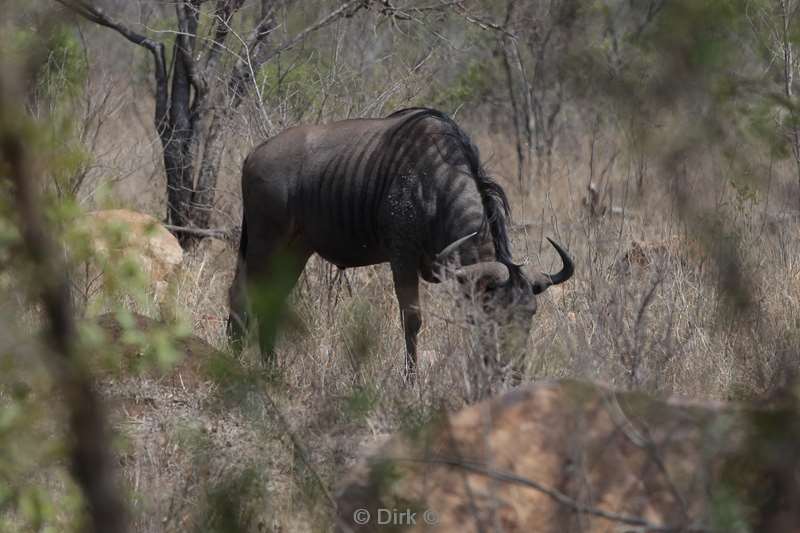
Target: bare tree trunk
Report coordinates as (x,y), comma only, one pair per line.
(183,93)
(178,149)
(204,190)
(202,200)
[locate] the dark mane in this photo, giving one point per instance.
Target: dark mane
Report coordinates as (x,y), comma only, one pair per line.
(495,201)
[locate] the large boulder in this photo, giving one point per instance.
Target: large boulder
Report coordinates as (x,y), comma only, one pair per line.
(117,235)
(558,457)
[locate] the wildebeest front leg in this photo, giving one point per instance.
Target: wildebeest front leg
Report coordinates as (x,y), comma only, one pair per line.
(406,285)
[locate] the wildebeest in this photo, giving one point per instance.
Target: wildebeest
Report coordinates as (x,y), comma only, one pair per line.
(408,189)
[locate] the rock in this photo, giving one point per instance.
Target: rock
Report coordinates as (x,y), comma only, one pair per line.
(552,457)
(121,234)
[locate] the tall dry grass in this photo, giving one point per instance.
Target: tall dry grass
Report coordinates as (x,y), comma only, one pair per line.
(649,308)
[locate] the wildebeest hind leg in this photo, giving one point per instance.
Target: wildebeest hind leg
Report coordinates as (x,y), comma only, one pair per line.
(238,318)
(273,267)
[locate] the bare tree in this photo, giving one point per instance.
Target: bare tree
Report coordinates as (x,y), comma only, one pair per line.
(197,90)
(534,44)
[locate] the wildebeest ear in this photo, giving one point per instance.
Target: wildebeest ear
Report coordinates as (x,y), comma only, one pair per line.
(492,272)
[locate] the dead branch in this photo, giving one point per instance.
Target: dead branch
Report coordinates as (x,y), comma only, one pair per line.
(156,48)
(558,496)
(224,10)
(223,234)
(481,22)
(348,9)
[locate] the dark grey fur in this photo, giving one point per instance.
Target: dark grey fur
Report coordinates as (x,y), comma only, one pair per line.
(367,191)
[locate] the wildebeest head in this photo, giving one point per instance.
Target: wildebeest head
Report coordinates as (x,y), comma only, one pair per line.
(503,291)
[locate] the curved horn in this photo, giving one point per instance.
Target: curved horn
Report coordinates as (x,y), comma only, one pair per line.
(453,246)
(544,281)
(495,271)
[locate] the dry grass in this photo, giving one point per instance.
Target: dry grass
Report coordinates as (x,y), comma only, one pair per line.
(698,298)
(653,317)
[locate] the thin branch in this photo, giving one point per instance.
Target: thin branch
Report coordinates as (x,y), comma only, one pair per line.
(251,58)
(558,496)
(223,234)
(644,440)
(348,9)
(481,22)
(156,48)
(653,9)
(223,12)
(96,15)
(404,14)
(249,61)
(187,22)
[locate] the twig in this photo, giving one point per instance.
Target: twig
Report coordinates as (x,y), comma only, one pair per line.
(644,440)
(341,11)
(156,48)
(558,496)
(481,22)
(224,234)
